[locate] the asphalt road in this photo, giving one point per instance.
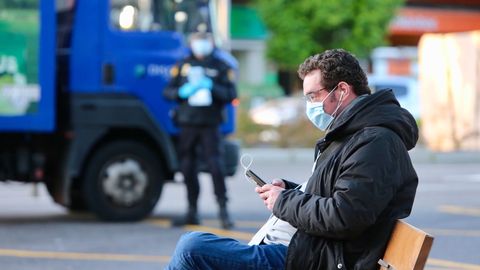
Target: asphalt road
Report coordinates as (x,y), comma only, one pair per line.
(37,234)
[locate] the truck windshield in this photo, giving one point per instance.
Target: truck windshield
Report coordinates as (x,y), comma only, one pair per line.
(183,16)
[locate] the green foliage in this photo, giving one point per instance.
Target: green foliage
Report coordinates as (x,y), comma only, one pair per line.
(305,27)
(19,3)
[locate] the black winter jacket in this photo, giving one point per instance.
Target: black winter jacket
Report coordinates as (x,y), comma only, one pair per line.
(363,182)
(223,91)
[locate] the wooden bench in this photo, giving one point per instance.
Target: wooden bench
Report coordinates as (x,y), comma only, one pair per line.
(407,249)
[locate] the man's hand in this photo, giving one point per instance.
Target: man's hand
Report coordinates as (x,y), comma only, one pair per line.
(269,192)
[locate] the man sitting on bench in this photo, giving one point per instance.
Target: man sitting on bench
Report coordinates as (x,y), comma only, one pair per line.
(362,182)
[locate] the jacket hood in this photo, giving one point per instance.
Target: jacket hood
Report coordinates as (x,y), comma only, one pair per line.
(379,109)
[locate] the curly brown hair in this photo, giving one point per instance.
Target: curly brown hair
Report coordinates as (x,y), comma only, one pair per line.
(335,66)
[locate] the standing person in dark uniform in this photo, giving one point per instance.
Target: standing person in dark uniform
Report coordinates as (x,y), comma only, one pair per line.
(202,84)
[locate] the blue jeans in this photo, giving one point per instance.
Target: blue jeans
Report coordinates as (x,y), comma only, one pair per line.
(199,250)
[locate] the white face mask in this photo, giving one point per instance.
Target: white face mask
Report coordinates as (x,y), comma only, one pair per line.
(202,47)
(317,115)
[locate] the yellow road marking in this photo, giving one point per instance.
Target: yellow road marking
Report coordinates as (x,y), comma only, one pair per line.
(458,210)
(220,232)
(166,223)
(452,265)
(82,256)
(163,259)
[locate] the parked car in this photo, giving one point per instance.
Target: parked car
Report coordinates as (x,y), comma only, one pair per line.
(404,88)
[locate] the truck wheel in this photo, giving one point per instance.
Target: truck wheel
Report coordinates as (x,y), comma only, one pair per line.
(123,181)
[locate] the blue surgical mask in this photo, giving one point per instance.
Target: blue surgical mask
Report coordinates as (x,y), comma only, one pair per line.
(317,115)
(202,47)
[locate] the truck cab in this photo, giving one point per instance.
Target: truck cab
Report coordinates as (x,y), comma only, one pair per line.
(94,126)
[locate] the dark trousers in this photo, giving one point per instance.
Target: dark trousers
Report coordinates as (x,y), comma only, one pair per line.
(209,138)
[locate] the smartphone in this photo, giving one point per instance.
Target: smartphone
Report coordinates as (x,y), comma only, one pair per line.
(255,178)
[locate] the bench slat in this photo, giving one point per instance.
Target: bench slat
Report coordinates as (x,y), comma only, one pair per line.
(407,249)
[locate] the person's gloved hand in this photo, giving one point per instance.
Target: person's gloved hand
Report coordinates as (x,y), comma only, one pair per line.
(186,90)
(205,83)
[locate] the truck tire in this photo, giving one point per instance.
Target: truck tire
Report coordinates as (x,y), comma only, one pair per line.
(123,181)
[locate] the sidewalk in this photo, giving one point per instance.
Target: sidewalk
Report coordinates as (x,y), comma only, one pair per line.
(418,155)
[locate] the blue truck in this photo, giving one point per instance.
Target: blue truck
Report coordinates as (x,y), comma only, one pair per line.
(81,106)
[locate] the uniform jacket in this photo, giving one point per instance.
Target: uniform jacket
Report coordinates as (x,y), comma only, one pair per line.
(363,182)
(223,91)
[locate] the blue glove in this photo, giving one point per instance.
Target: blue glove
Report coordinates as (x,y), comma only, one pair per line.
(205,83)
(186,90)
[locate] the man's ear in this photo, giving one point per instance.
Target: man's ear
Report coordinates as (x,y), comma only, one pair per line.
(345,88)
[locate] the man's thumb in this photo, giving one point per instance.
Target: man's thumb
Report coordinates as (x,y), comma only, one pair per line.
(278,182)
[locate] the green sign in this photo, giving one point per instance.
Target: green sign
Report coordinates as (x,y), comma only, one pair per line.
(247,24)
(19,34)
